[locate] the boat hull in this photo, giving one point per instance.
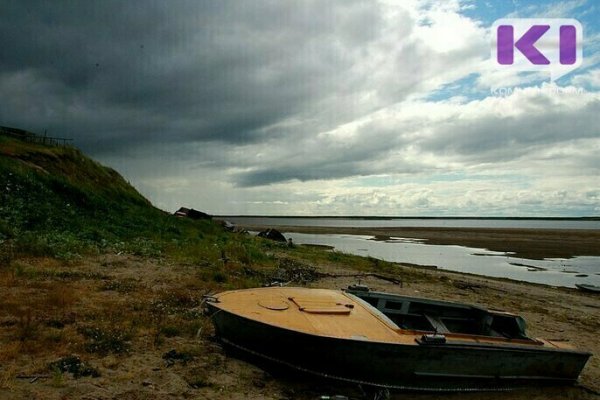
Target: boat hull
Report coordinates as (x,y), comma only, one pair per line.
(448,366)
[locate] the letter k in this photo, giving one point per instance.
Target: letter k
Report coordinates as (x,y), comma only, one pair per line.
(525,44)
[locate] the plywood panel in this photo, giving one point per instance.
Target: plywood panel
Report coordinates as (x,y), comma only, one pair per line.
(314,311)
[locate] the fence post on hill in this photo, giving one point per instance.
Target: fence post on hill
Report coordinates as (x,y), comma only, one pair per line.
(31,137)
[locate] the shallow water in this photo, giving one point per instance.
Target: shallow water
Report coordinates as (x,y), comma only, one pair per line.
(554,272)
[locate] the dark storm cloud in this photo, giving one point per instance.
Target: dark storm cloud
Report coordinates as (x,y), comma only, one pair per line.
(323,171)
(494,138)
(218,82)
(369,150)
(120,74)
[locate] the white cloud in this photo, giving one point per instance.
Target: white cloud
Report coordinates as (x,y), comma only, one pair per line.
(480,157)
(589,78)
(560,9)
(343,107)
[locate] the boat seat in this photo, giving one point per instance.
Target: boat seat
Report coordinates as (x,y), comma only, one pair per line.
(437,323)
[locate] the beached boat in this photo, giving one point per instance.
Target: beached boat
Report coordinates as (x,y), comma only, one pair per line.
(390,341)
(588,288)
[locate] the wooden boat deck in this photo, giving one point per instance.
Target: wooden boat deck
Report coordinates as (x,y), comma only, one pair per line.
(334,314)
(313,311)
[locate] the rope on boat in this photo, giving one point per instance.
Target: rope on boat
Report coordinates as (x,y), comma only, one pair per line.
(362,382)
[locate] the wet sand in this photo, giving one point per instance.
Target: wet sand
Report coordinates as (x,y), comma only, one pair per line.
(525,243)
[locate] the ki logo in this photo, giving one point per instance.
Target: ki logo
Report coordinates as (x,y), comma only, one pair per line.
(537,44)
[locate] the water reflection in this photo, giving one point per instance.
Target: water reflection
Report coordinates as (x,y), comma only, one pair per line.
(551,271)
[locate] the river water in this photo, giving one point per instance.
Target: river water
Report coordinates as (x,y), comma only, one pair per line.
(552,271)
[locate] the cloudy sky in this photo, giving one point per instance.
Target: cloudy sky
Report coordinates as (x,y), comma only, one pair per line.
(310,107)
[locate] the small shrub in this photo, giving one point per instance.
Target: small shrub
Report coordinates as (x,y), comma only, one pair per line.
(124,286)
(55,323)
(334,256)
(171,331)
(68,275)
(33,245)
(60,298)
(219,277)
(172,229)
(6,232)
(257,254)
(58,379)
(144,247)
(104,341)
(27,326)
(178,302)
(238,252)
(19,270)
(7,375)
(6,253)
(73,365)
(173,356)
(54,336)
(194,327)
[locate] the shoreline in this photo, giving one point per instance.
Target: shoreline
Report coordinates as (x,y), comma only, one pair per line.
(527,243)
(113,280)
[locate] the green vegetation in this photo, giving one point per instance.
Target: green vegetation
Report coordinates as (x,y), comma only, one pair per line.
(55,201)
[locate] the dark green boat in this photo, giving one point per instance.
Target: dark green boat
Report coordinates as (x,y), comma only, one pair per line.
(390,341)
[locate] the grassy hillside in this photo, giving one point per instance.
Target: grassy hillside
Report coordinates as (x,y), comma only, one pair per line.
(56,201)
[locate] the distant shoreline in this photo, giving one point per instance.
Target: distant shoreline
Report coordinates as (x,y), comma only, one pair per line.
(524,242)
(358,217)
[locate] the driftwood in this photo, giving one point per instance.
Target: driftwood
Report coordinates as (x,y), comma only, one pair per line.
(32,378)
(294,271)
(467,286)
(393,280)
(474,287)
(38,376)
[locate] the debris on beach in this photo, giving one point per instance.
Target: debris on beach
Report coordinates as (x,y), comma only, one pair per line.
(467,286)
(172,356)
(272,234)
(74,365)
(293,271)
(231,227)
(191,213)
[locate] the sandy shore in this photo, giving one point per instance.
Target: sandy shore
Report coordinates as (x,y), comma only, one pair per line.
(127,292)
(525,243)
